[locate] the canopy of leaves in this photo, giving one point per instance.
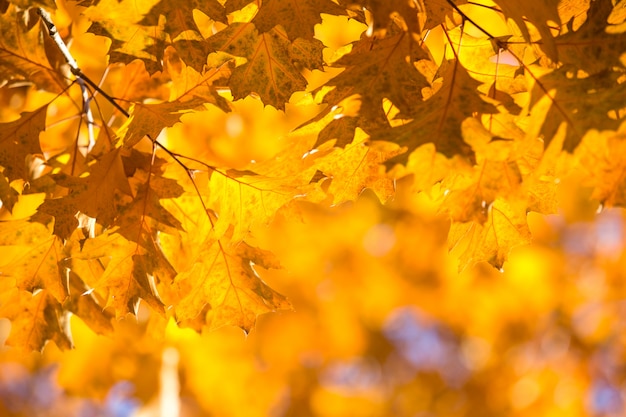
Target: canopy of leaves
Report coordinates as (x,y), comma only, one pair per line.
(216,160)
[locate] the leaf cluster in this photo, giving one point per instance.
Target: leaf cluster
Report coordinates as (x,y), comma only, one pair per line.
(483,106)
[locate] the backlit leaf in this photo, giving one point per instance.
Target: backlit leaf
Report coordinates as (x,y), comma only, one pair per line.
(223,288)
(540,14)
(439,118)
(504,228)
(22,53)
(270,71)
(36,319)
(119,21)
(297,17)
(18,139)
(33,258)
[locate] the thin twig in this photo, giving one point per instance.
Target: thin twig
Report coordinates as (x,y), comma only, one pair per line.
(82,78)
(54,34)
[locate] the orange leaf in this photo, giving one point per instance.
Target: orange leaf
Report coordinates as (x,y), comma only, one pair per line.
(18,139)
(223,288)
(35,319)
(22,53)
(32,257)
(296,17)
(270,71)
(505,228)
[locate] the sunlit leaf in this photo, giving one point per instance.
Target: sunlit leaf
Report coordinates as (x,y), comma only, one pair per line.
(36,319)
(223,288)
(18,139)
(22,53)
(270,71)
(297,17)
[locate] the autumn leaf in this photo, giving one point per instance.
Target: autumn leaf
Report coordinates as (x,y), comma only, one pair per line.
(540,14)
(357,167)
(23,55)
(97,195)
(36,319)
(18,139)
(243,200)
(601,158)
(384,69)
(439,118)
(382,13)
(83,303)
(595,47)
(505,228)
(191,87)
(580,103)
(329,148)
(130,271)
(179,16)
(222,287)
(270,71)
(150,119)
(120,21)
(33,258)
(436,12)
(297,18)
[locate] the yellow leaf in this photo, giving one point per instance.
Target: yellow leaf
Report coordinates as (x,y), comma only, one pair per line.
(356,167)
(35,319)
(222,287)
(506,227)
(269,71)
(18,139)
(120,21)
(32,257)
(439,118)
(297,17)
(22,53)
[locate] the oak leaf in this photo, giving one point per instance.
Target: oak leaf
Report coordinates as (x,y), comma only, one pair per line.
(179,16)
(36,319)
(243,200)
(596,46)
(539,14)
(270,70)
(18,139)
(581,103)
(356,167)
(383,69)
(131,271)
(33,258)
(601,156)
(297,17)
(436,12)
(150,119)
(438,119)
(84,304)
(119,21)
(22,52)
(98,195)
(505,228)
(383,13)
(223,288)
(132,263)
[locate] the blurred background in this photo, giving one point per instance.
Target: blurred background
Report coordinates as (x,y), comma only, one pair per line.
(384,325)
